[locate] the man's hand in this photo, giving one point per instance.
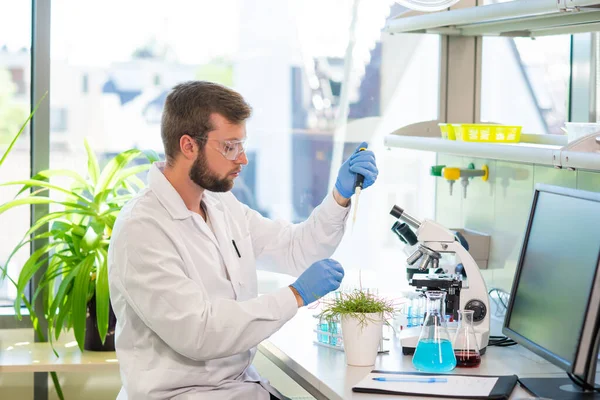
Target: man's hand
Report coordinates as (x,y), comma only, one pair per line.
(319,279)
(360,162)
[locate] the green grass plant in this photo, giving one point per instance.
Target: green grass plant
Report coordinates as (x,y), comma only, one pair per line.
(357,304)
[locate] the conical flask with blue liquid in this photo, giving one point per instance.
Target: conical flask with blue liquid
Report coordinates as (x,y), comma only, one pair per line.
(434,352)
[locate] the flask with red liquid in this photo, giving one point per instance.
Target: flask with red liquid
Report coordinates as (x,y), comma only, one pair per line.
(465,344)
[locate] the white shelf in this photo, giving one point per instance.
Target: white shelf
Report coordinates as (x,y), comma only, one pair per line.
(528,153)
(528,18)
(579,160)
(521,152)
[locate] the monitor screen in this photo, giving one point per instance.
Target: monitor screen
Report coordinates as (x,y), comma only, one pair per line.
(556,274)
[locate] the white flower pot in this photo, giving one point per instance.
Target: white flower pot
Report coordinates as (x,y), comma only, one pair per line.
(361,342)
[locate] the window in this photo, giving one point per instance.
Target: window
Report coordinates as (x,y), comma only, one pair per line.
(526,82)
(287,59)
(58,120)
(85,83)
(18,78)
(597,73)
(15,64)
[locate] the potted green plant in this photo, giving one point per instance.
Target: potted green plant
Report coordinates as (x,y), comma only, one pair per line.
(80,225)
(3,270)
(362,315)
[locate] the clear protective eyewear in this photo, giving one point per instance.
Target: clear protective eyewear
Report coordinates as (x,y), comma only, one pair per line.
(230,149)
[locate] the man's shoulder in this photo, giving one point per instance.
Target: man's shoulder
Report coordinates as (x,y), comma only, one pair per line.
(143,210)
(144,203)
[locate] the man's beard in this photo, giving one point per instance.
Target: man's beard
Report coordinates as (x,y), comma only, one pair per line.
(202,176)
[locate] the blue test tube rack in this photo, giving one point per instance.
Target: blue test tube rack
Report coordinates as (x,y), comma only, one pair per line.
(329,333)
(415,312)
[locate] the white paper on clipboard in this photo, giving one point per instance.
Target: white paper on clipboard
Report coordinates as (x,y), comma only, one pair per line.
(456,385)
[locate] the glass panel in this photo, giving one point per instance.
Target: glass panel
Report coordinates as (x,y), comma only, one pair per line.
(597,72)
(287,59)
(15,72)
(526,82)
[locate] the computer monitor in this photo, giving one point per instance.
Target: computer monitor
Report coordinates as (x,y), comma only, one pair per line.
(554,307)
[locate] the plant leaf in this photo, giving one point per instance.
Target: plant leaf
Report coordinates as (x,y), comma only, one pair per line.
(12,143)
(130,173)
(102,294)
(30,183)
(37,200)
(58,215)
(63,311)
(47,279)
(80,300)
(115,167)
(93,167)
(45,175)
(90,240)
(63,290)
(75,243)
(24,242)
(29,269)
(57,386)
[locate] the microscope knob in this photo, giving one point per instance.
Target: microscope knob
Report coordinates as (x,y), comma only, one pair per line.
(479,309)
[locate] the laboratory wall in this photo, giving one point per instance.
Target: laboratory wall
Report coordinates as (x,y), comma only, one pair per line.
(501,206)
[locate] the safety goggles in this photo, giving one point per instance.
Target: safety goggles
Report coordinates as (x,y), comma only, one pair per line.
(230,149)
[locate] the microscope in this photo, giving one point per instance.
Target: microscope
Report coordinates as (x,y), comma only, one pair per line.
(465,289)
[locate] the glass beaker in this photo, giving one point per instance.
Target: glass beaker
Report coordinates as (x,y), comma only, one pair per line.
(434,352)
(466,349)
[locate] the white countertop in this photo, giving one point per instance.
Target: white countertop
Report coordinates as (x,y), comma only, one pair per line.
(18,353)
(323,371)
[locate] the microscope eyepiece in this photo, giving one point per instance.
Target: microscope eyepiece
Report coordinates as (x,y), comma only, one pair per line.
(405,233)
(397,212)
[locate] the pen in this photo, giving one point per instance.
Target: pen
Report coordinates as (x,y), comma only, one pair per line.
(236,249)
(421,380)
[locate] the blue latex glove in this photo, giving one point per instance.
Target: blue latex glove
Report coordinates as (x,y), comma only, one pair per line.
(319,279)
(360,162)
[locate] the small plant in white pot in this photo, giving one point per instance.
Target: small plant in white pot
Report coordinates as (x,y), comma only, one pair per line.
(362,316)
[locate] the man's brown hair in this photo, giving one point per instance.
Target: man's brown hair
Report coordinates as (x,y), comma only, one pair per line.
(188,109)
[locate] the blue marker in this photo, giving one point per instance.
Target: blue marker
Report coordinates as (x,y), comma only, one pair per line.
(420,380)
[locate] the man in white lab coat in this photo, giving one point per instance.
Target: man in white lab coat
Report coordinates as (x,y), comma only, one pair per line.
(182,259)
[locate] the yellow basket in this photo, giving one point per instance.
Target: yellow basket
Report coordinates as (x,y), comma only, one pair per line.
(447,131)
(487,133)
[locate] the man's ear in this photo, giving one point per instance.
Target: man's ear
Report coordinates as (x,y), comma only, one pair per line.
(188,147)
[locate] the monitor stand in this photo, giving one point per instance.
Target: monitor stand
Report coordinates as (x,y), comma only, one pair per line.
(557,388)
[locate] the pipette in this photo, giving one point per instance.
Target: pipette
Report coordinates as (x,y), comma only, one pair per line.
(358,185)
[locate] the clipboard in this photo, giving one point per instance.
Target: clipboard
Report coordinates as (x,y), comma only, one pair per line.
(482,386)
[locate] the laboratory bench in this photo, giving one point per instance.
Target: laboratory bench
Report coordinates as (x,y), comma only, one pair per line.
(320,370)
(324,374)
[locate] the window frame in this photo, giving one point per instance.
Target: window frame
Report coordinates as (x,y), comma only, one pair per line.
(40,133)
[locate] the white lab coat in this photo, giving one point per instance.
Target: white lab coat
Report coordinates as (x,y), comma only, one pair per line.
(188,315)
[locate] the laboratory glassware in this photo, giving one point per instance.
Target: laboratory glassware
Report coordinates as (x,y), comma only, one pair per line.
(465,345)
(434,351)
